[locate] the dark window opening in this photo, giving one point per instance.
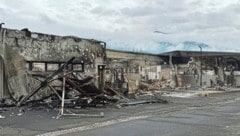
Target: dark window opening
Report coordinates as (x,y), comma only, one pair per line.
(35,66)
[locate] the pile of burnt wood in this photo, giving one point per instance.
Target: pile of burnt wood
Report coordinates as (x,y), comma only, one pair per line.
(68,86)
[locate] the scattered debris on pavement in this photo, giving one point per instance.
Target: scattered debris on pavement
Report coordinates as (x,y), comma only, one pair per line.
(2,117)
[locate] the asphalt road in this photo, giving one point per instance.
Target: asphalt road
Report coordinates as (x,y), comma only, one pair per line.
(218,118)
(218,115)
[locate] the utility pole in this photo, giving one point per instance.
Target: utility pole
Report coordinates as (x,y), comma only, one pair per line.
(200,66)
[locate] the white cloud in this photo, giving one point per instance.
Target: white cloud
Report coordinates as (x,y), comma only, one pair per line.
(131,23)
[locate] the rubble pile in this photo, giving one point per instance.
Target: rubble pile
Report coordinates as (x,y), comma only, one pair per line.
(158,85)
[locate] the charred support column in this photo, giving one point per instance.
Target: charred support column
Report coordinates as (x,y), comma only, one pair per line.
(101,77)
(63,91)
(174,71)
(1,78)
(200,66)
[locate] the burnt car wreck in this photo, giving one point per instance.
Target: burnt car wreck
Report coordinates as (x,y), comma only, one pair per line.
(75,72)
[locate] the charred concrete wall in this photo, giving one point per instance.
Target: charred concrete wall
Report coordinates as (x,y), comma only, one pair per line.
(145,58)
(132,62)
(20,48)
(41,47)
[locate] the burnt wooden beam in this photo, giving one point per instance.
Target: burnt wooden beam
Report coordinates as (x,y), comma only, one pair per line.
(46,81)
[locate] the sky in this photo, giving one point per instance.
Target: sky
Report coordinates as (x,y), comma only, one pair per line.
(152,26)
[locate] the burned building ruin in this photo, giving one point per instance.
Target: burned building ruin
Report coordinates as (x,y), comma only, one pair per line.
(204,69)
(33,65)
(176,70)
(27,57)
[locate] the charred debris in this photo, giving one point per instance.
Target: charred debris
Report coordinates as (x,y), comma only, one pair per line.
(71,72)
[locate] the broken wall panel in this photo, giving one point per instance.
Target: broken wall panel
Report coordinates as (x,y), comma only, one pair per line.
(237,80)
(152,72)
(133,82)
(166,72)
(188,81)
